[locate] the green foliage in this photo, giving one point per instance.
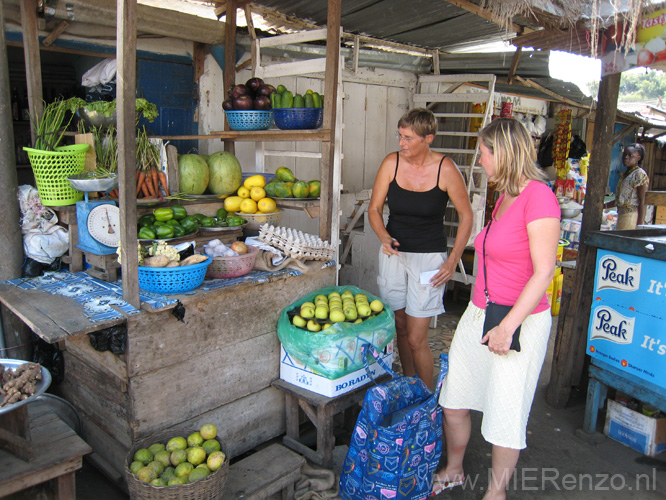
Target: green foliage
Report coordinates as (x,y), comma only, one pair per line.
(645,84)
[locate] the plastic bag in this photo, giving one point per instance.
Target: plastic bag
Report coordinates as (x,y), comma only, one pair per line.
(336,351)
(110,339)
(50,357)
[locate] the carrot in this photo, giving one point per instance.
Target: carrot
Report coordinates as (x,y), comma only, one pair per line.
(156,181)
(163,181)
(141,179)
(145,191)
(149,184)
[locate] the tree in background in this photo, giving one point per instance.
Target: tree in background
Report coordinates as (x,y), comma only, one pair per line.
(638,85)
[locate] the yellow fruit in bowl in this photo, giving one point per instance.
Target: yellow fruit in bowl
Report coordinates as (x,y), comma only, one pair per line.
(257,193)
(267,206)
(243,192)
(248,206)
(257,180)
(232,204)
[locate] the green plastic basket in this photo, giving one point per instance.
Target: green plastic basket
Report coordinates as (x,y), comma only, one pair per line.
(52,168)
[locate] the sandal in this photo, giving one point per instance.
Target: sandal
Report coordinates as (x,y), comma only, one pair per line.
(439,486)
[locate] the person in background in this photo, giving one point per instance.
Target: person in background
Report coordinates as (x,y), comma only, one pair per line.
(418,183)
(520,244)
(631,189)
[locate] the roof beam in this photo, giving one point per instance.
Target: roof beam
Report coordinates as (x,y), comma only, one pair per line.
(531,83)
(483,13)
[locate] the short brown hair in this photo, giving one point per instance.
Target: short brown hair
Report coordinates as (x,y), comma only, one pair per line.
(422,121)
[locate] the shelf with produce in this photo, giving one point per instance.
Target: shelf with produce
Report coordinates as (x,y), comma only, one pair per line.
(256,135)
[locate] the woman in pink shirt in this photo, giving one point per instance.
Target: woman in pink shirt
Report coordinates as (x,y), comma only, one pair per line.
(485,374)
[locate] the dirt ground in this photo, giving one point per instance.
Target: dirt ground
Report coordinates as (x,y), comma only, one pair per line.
(557,464)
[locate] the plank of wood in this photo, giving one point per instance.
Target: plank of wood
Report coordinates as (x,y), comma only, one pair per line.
(263,473)
(52,317)
(172,169)
(109,364)
(657,198)
(246,311)
(204,382)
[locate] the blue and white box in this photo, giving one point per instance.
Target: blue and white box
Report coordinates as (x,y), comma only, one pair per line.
(644,434)
(295,372)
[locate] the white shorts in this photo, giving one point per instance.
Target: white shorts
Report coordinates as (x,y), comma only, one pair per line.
(400,287)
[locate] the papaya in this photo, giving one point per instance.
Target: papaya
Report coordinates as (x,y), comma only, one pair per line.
(283,190)
(315,188)
(309,101)
(287,99)
(301,189)
(270,189)
(285,175)
(316,98)
(299,102)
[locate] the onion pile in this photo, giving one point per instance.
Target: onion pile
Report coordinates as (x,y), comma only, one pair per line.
(253,94)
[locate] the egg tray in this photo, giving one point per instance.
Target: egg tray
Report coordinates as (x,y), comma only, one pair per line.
(296,244)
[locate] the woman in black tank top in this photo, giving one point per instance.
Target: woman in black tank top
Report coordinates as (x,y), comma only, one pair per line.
(417,183)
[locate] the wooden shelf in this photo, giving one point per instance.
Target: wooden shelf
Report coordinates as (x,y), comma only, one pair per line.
(257,135)
(310,207)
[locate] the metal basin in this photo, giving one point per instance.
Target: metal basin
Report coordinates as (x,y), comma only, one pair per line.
(41,385)
(88,181)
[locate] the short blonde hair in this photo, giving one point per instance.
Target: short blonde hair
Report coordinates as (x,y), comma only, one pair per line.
(422,121)
(514,152)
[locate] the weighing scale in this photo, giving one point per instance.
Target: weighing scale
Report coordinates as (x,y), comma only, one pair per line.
(98,221)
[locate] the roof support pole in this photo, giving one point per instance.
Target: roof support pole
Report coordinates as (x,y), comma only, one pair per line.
(569,355)
(33,68)
(126,87)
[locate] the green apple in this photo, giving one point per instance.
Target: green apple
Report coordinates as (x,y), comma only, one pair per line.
(327,325)
(307,312)
(313,326)
(299,321)
(321,312)
(347,293)
(337,316)
(377,306)
(358,320)
(320,298)
(308,304)
(350,313)
(364,310)
(360,296)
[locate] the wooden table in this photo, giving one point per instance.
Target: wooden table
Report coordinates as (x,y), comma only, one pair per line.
(58,453)
(320,410)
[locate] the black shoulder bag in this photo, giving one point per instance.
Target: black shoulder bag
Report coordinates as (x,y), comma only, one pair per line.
(495,313)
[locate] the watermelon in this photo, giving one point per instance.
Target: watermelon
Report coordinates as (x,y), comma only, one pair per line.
(226,175)
(193,173)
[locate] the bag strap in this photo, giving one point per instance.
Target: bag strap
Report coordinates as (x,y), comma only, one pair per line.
(485,276)
(443,370)
(371,349)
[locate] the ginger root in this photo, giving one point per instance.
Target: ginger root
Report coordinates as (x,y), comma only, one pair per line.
(19,384)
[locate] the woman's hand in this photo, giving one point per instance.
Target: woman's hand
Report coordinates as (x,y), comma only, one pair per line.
(446,272)
(390,246)
(499,340)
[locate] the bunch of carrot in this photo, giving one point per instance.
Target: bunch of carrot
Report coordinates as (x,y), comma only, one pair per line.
(151,182)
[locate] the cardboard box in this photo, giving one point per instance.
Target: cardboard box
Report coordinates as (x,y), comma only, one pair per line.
(294,372)
(644,434)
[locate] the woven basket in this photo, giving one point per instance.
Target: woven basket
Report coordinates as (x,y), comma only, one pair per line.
(209,488)
(52,169)
(233,266)
(298,118)
(249,119)
(255,221)
(178,279)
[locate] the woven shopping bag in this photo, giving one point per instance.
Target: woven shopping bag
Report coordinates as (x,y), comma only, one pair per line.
(397,442)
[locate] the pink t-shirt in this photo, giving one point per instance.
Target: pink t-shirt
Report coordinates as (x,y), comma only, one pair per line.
(508,260)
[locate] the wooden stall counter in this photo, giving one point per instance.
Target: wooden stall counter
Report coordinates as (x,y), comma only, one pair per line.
(215,365)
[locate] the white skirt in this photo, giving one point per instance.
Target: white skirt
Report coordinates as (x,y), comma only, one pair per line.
(502,387)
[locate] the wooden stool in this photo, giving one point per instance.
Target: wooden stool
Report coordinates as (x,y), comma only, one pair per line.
(57,454)
(269,471)
(103,267)
(320,410)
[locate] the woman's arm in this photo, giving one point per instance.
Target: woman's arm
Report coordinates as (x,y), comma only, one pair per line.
(455,186)
(641,191)
(544,235)
(376,207)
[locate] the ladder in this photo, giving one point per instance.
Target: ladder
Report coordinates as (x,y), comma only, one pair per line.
(451,98)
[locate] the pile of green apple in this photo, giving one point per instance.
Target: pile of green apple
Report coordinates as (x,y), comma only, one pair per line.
(336,308)
(181,460)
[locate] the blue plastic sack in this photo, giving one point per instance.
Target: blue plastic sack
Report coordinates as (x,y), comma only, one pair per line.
(397,442)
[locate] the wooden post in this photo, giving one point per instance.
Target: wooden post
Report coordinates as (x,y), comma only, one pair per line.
(33,68)
(230,59)
(330,104)
(126,89)
(11,244)
(571,340)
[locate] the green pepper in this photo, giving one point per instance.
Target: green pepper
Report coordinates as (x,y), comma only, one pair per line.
(173,222)
(178,231)
(159,223)
(146,220)
(221,212)
(189,225)
(164,232)
(179,212)
(222,223)
(235,220)
(207,222)
(163,214)
(198,217)
(145,233)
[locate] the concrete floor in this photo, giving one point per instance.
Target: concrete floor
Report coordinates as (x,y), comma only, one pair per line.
(556,464)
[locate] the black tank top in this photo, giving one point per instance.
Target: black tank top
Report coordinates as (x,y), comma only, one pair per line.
(416,218)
